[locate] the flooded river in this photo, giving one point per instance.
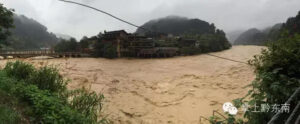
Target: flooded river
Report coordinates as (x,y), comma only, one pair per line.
(161,91)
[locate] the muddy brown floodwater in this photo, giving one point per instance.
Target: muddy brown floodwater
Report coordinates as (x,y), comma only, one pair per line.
(161,91)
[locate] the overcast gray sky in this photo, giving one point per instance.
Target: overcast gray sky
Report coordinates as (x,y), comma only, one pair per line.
(229,15)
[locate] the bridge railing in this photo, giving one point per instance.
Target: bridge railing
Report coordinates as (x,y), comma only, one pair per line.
(19,52)
(293,117)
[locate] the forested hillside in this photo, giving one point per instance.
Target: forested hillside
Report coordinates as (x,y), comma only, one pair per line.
(292,25)
(29,34)
(251,37)
(255,36)
(208,38)
(177,26)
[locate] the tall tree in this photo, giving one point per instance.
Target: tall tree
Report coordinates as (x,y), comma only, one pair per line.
(67,45)
(84,42)
(6,22)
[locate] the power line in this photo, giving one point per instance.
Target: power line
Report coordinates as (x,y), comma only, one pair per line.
(111,15)
(226,58)
(127,22)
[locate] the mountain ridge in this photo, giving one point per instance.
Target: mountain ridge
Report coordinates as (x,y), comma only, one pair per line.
(177,25)
(255,36)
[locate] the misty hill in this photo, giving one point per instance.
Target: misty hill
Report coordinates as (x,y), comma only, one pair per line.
(274,32)
(258,37)
(177,26)
(30,34)
(63,36)
(251,37)
(233,35)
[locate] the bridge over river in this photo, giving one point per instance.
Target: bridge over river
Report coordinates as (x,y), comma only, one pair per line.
(33,53)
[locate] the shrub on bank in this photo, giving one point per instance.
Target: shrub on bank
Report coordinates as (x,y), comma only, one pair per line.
(19,70)
(48,78)
(45,98)
(7,109)
(87,103)
(8,115)
(277,76)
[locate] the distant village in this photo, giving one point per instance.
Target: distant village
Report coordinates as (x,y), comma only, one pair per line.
(148,46)
(117,44)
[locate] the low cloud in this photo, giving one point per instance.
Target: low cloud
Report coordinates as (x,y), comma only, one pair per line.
(229,15)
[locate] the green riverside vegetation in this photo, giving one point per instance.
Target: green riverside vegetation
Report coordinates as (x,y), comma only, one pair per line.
(39,95)
(277,76)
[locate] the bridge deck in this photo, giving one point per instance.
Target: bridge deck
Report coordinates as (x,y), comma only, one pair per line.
(32,53)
